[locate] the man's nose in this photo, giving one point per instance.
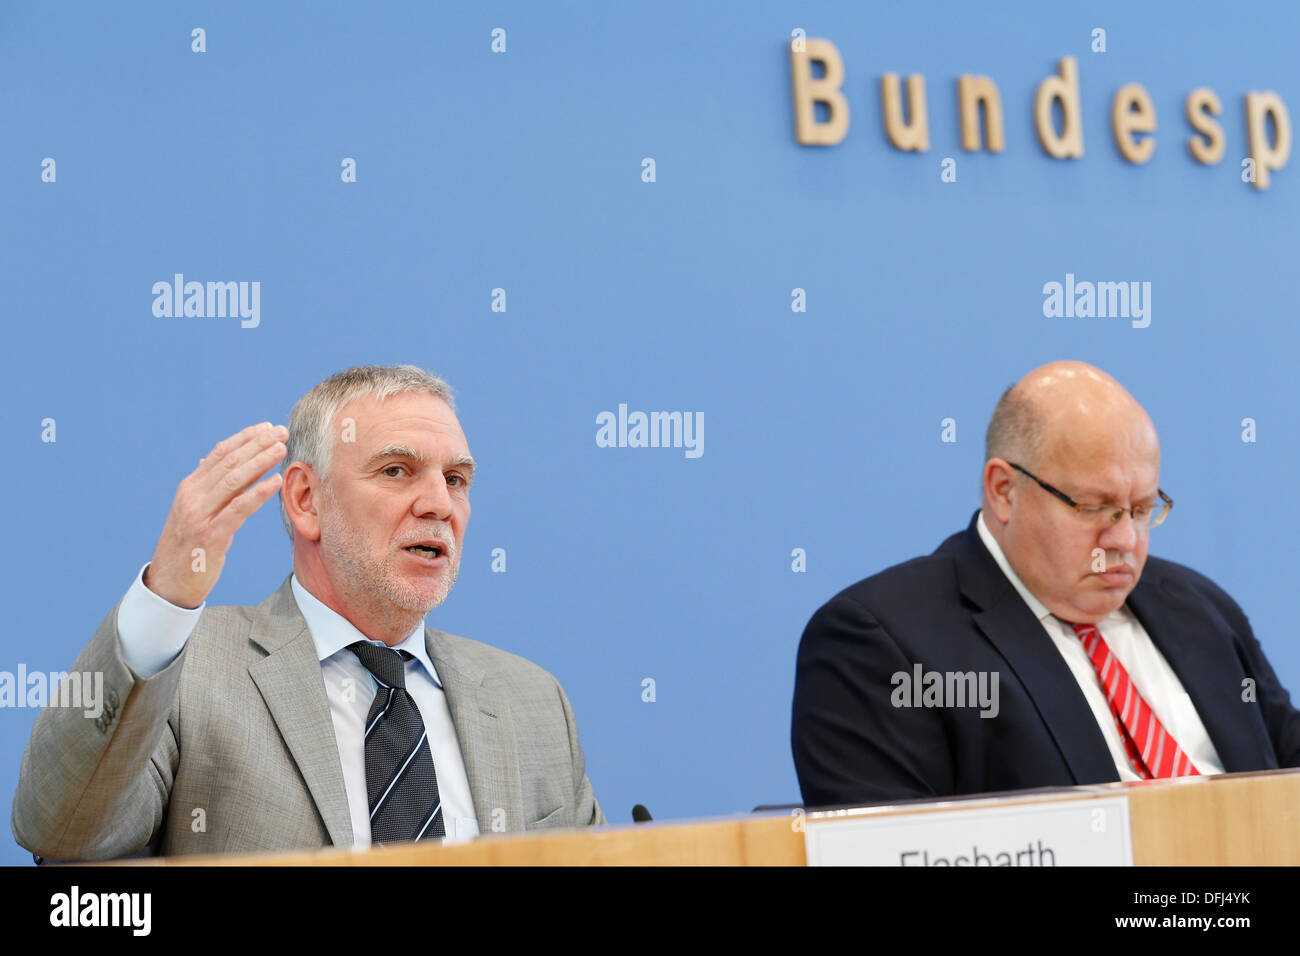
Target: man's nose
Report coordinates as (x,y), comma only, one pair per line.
(433,499)
(1121,536)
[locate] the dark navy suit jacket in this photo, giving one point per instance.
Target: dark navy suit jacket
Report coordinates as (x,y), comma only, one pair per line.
(956,611)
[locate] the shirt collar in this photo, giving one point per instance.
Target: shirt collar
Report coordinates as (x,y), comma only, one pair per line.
(1040,610)
(331,632)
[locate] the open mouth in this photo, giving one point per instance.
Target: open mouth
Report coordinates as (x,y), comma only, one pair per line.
(426,550)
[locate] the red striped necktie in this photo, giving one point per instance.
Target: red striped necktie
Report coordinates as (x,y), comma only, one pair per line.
(1152,751)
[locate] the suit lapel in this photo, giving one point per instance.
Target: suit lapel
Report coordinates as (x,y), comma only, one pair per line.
(486,735)
(1004,618)
(290,681)
(1196,641)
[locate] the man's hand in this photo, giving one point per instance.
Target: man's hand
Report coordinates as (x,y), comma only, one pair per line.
(210,505)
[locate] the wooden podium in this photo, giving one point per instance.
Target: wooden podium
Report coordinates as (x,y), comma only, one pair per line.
(1229,819)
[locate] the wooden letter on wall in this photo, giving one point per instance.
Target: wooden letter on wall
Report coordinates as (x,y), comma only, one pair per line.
(1069,144)
(1201,105)
(913,136)
(1259,107)
(971,92)
(1130,113)
(809,91)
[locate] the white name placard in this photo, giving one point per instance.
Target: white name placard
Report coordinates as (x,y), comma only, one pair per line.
(1092,832)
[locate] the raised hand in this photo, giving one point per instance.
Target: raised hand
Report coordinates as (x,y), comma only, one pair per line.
(210,506)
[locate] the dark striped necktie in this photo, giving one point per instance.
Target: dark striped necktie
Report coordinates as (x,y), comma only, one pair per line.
(400,781)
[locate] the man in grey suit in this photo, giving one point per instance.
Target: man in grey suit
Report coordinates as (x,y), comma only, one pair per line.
(329,714)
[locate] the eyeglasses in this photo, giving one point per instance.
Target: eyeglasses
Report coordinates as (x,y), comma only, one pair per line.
(1103,516)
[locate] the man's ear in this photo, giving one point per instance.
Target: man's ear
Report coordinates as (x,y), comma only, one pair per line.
(999,480)
(302,493)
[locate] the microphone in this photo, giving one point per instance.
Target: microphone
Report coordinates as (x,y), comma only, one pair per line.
(640,814)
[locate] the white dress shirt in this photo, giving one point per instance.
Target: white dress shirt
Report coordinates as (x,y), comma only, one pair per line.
(153,631)
(1147,668)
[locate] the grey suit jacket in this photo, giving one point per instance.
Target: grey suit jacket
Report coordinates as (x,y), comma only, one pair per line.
(231,747)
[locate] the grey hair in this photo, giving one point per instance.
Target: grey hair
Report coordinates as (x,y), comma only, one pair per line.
(311,423)
(1015,431)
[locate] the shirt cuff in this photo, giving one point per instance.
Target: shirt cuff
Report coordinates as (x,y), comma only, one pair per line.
(151,630)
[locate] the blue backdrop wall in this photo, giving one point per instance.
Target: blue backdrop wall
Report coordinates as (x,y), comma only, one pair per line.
(523,171)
